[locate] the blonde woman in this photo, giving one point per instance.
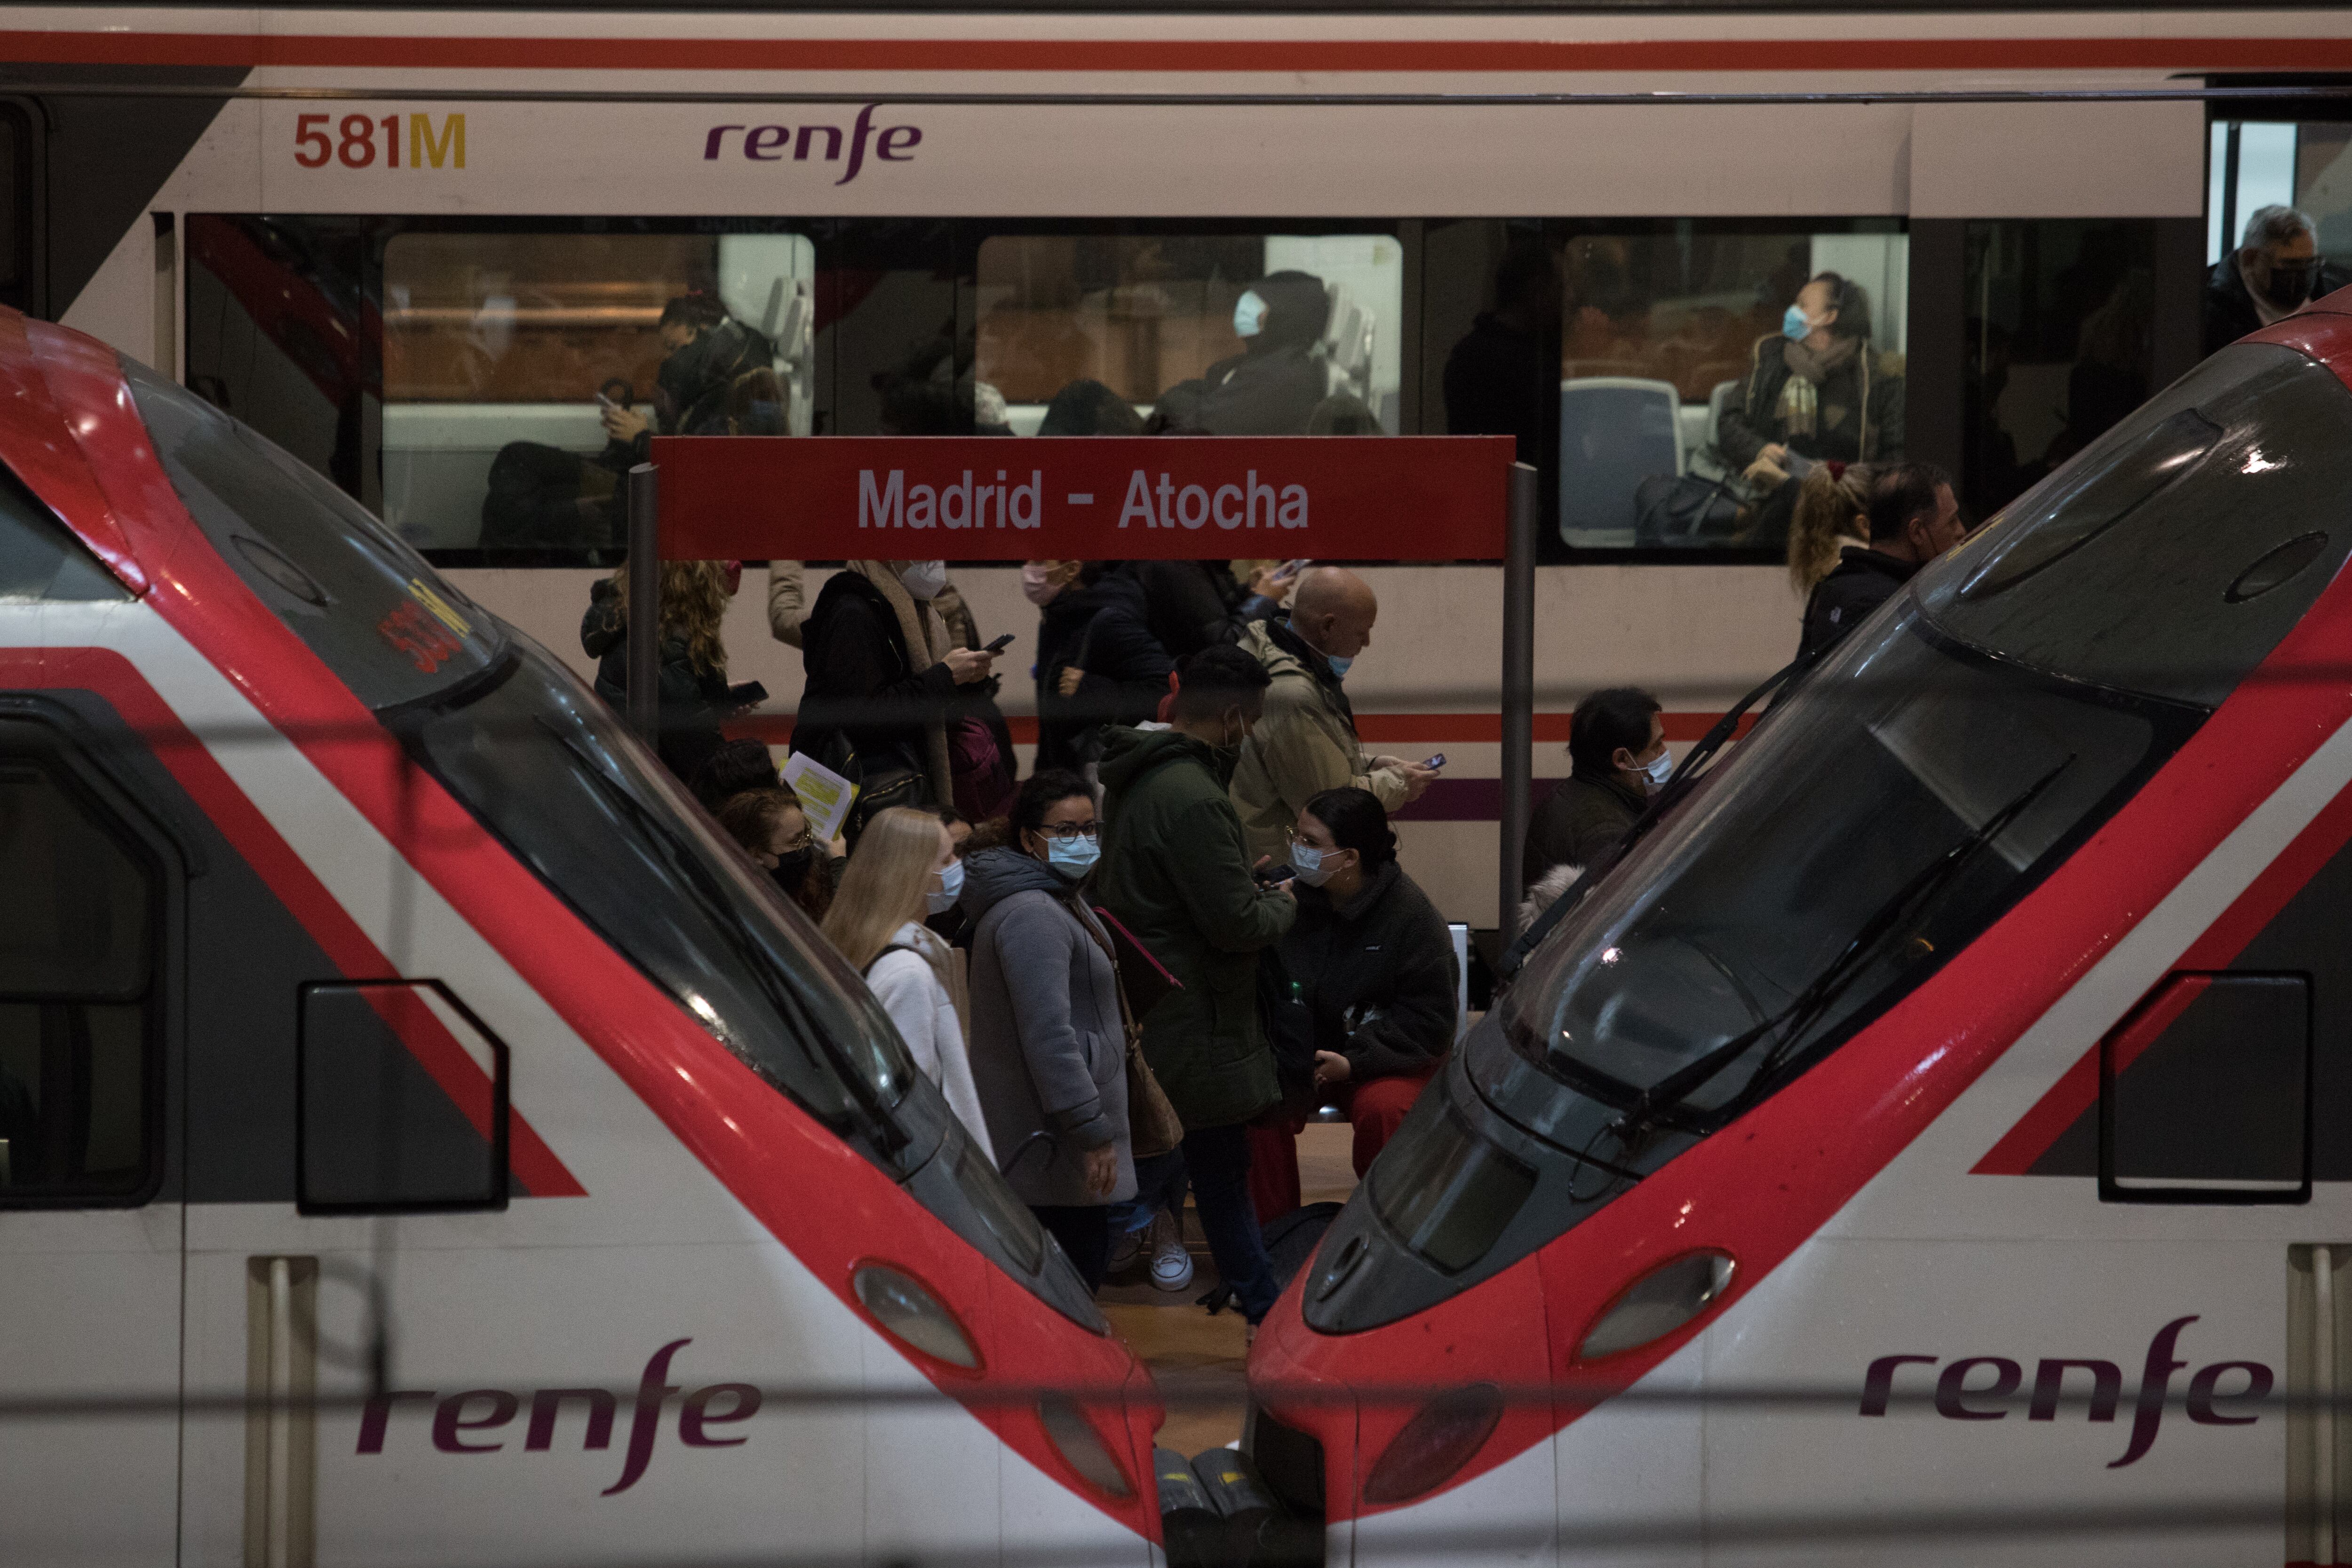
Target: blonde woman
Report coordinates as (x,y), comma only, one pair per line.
(1830,514)
(692,688)
(903,870)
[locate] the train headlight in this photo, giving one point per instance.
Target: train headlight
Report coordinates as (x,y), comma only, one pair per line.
(913,1316)
(1443,1436)
(1075,1439)
(1658,1303)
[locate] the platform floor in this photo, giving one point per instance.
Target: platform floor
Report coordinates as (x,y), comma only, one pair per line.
(1198,1360)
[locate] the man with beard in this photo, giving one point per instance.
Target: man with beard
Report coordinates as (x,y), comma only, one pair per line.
(2274,273)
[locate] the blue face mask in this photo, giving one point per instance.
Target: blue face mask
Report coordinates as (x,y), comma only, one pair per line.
(1249,315)
(943,897)
(1072,858)
(1795,325)
(1339,665)
(1659,770)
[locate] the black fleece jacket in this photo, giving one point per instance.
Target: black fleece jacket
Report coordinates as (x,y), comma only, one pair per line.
(1375,974)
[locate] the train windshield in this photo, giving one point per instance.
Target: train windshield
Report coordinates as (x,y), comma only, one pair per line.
(518,740)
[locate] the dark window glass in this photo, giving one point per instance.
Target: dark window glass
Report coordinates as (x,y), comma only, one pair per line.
(379,1135)
(2206,1090)
(76,966)
(363,602)
(38,559)
(15,209)
(2060,316)
(2137,566)
(1450,1193)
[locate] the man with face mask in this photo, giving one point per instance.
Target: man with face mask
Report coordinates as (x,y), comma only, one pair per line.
(883,681)
(1307,743)
(1618,759)
(1176,876)
(2273,274)
(1272,386)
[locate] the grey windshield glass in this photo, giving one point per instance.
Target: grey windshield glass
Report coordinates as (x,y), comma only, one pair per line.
(2125,567)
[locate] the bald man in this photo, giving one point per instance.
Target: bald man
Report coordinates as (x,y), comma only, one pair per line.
(1306,742)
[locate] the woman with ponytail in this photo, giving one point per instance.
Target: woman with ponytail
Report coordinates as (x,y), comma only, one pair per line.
(1830,511)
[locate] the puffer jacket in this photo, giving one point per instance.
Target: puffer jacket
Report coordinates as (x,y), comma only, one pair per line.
(1375,974)
(1305,745)
(1048,1046)
(1174,873)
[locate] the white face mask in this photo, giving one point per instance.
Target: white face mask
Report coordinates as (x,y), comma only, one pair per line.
(1249,314)
(924,579)
(1308,862)
(943,897)
(1657,771)
(1037,585)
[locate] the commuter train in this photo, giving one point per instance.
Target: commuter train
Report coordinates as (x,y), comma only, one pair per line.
(399,242)
(1963,1051)
(384,1037)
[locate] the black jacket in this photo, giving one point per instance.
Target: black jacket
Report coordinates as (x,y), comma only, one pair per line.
(2230,312)
(690,703)
(1103,629)
(1190,605)
(1754,421)
(1375,974)
(1862,580)
(1270,392)
(860,682)
(1578,824)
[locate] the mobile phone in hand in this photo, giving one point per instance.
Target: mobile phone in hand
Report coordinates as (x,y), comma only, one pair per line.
(608,402)
(1000,644)
(1436,761)
(1293,567)
(1267,875)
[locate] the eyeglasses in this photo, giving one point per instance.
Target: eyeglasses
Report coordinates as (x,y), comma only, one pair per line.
(807,841)
(1069,833)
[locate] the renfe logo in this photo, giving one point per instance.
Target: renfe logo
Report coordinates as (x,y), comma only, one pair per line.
(1956,1400)
(768,143)
(887,501)
(458,1418)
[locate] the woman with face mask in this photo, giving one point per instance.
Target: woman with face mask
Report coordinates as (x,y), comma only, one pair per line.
(903,870)
(1048,1033)
(1817,388)
(774,831)
(1372,963)
(883,681)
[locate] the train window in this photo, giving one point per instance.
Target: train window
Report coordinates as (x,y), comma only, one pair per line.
(1218,334)
(2205,1092)
(2060,323)
(378,616)
(38,560)
(2162,527)
(17,209)
(76,967)
(1451,1193)
(524,371)
(375,1134)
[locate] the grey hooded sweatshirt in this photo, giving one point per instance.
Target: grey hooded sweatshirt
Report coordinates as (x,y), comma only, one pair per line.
(1048,1049)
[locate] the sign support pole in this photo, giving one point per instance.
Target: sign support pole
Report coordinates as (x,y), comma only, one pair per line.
(1519,691)
(645,601)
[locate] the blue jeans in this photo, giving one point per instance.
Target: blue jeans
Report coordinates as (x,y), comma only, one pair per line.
(1159,1184)
(1218,1161)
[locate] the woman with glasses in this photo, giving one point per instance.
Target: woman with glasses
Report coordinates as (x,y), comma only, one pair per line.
(774,831)
(1373,964)
(1048,1038)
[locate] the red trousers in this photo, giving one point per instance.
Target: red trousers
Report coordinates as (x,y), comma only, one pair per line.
(1376,1107)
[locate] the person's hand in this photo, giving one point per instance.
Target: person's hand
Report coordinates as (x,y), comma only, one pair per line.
(836,848)
(1282,887)
(1416,779)
(1330,1067)
(1071,676)
(969,664)
(1101,1167)
(1763,472)
(623,424)
(1273,582)
(1776,452)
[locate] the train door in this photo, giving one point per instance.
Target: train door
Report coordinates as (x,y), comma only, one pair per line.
(90,939)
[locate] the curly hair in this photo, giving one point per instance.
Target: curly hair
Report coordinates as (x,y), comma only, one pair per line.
(693,604)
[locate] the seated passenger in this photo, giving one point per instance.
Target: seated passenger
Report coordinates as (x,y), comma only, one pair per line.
(1914,518)
(1089,408)
(691,687)
(1617,759)
(1373,964)
(903,870)
(1272,386)
(2275,272)
(1816,389)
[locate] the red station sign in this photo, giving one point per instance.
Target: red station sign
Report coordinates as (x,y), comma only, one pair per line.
(1402,497)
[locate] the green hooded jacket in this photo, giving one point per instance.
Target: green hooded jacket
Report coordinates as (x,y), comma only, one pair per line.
(1174,872)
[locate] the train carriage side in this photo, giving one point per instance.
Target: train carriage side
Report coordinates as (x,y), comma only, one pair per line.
(370,1002)
(1969,1041)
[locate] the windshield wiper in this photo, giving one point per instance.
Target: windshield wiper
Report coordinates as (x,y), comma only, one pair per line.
(1664,1099)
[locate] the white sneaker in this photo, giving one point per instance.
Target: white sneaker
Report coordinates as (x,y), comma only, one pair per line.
(1171,1265)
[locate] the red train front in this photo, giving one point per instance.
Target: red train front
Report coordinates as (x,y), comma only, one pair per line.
(1968,1049)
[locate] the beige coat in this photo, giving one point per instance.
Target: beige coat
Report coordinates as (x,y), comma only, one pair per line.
(1305,745)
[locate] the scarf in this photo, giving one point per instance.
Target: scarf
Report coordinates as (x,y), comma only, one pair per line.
(1801,413)
(926,642)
